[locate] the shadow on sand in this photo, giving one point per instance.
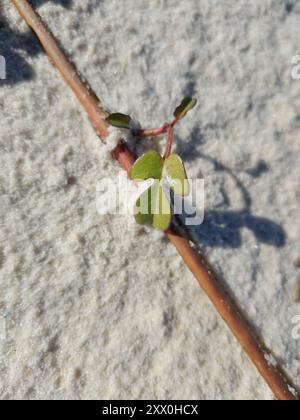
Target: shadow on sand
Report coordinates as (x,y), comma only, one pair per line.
(222,228)
(14,45)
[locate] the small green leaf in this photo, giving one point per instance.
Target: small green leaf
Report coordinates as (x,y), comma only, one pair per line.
(142,210)
(153,208)
(162,216)
(175,172)
(149,165)
(186,105)
(119,120)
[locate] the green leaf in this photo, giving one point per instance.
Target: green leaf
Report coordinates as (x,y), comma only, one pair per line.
(186,105)
(142,210)
(175,173)
(153,208)
(119,120)
(162,216)
(148,166)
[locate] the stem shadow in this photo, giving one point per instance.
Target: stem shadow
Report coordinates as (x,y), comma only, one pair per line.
(15,46)
(65,3)
(222,228)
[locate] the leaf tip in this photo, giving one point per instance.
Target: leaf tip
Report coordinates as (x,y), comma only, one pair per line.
(186,105)
(119,120)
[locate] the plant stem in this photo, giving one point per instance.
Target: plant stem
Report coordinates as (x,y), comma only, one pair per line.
(122,154)
(169,144)
(234,318)
(174,122)
(277,380)
(153,132)
(84,94)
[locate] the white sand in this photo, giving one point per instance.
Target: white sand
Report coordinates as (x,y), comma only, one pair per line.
(94,307)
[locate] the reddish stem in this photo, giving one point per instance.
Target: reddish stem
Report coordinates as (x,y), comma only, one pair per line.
(174,122)
(169,142)
(154,132)
(125,158)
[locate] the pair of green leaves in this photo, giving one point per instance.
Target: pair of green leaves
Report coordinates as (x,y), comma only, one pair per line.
(153,207)
(125,121)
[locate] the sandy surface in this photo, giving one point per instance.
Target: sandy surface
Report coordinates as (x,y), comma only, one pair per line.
(91,307)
